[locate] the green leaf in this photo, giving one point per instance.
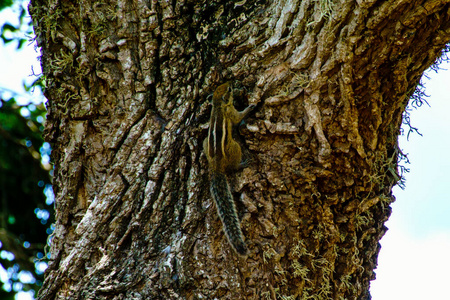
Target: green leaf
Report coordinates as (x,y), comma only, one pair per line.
(5,3)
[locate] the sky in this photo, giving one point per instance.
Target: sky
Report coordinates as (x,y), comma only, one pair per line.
(414,261)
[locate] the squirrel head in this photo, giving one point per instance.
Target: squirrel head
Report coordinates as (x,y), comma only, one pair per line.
(223,95)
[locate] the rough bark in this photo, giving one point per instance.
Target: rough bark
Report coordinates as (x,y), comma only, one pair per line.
(127,84)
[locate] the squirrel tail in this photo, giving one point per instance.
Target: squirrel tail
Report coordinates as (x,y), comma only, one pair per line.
(221,193)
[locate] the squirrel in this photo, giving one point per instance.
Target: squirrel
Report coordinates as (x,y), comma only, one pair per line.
(224,155)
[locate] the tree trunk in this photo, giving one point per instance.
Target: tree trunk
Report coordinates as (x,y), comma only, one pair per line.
(128,110)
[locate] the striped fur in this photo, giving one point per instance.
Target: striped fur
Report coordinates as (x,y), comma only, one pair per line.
(224,155)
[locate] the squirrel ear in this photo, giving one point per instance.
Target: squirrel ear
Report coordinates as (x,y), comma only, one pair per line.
(209,97)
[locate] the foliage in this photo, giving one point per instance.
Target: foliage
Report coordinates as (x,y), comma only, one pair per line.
(5,3)
(24,216)
(26,197)
(15,32)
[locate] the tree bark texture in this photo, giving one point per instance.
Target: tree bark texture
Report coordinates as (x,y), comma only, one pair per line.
(127,88)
